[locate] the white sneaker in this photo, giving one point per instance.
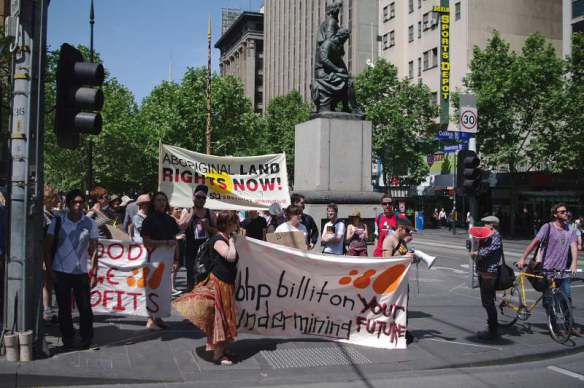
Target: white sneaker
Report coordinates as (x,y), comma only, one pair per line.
(176,292)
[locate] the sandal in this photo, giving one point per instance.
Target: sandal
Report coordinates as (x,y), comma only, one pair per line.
(223,360)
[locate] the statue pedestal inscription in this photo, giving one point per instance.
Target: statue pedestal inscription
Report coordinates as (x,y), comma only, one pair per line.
(333,154)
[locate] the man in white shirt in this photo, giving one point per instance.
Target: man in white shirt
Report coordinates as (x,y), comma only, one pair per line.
(333,234)
(69,248)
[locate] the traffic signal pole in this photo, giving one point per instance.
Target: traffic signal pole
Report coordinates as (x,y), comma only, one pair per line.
(24,256)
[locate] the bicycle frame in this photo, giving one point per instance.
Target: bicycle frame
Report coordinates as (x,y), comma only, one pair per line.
(523,292)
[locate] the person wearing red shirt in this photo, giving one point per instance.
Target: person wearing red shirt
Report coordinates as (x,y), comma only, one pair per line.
(385,223)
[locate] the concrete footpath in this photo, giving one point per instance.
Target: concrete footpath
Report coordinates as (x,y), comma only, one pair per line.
(444,316)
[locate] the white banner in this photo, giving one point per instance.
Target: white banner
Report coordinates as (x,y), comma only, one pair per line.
(283,291)
(235,183)
(131,280)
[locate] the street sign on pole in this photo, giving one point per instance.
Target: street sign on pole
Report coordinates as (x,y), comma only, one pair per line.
(449,135)
(468,119)
(448,149)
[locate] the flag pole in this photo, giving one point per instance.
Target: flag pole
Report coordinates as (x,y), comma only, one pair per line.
(209,129)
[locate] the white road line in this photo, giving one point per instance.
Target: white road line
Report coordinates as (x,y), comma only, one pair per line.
(566,372)
(463,343)
(456,287)
(451,269)
(460,248)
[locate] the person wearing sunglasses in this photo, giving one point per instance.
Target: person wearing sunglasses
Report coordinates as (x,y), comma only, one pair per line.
(385,223)
(199,223)
(559,250)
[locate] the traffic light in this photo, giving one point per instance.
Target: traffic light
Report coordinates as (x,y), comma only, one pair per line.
(79,98)
(470,173)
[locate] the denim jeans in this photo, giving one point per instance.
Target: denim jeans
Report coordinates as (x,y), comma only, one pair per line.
(565,285)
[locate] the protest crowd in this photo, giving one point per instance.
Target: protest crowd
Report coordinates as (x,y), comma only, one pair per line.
(203,242)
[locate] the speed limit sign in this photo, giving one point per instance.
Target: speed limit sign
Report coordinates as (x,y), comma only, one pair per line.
(468,120)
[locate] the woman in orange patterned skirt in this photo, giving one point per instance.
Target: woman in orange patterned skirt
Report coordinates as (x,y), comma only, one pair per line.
(211,304)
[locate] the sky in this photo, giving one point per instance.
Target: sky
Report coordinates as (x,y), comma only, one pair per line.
(139,39)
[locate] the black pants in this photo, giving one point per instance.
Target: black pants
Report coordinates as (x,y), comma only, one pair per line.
(488,292)
(79,285)
(190,256)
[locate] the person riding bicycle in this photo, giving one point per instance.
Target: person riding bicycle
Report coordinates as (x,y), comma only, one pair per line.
(559,251)
(488,259)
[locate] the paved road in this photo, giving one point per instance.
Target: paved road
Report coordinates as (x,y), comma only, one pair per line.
(444,316)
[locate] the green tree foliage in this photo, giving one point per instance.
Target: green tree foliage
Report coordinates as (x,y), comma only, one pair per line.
(518,100)
(175,114)
(277,127)
(402,115)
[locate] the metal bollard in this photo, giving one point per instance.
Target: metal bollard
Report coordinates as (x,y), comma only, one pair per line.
(11,344)
(25,338)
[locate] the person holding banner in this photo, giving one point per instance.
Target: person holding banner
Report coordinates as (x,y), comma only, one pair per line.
(357,235)
(385,224)
(70,245)
(211,304)
(199,224)
(306,220)
(160,229)
(135,229)
(293,224)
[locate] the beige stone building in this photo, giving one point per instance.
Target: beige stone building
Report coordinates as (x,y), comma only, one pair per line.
(409,33)
(573,21)
(291,27)
(242,54)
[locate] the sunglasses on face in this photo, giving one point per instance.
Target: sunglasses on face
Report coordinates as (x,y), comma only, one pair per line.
(385,203)
(561,211)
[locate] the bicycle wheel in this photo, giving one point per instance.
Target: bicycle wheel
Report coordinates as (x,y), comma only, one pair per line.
(509,306)
(559,316)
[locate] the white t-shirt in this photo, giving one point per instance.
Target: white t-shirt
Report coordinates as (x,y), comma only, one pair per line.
(335,248)
(286,227)
(72,255)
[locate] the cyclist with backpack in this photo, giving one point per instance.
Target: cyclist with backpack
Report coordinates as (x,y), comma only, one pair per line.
(333,235)
(559,251)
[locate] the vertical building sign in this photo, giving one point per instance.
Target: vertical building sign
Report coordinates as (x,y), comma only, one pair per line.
(444,11)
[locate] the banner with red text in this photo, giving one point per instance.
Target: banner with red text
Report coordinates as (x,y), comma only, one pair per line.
(283,291)
(132,280)
(235,183)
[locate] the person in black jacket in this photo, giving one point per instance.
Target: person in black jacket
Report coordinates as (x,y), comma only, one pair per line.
(306,220)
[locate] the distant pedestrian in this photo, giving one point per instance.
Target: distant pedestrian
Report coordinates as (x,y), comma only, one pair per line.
(160,230)
(75,236)
(557,242)
(488,260)
(306,220)
(293,215)
(101,212)
(385,223)
(50,201)
(357,235)
(275,217)
(442,217)
(199,223)
(211,304)
(254,226)
(135,231)
(333,234)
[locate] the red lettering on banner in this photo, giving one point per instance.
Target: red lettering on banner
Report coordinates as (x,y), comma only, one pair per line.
(238,185)
(252,185)
(268,184)
(100,249)
(186,177)
(115,245)
(132,248)
(119,306)
(109,276)
(106,297)
(135,296)
(167,174)
(376,308)
(392,330)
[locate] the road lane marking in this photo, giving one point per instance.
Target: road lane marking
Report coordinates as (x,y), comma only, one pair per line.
(459,271)
(464,343)
(460,248)
(566,372)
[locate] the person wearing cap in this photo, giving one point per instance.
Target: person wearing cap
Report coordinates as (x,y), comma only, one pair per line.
(274,217)
(117,210)
(357,235)
(488,259)
(143,203)
(199,223)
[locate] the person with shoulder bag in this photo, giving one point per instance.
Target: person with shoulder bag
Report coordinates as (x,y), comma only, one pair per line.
(488,265)
(559,251)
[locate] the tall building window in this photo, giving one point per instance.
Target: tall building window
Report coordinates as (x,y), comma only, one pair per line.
(386,13)
(410,34)
(426,60)
(434,57)
(385,41)
(419,66)
(411,69)
(419,30)
(426,20)
(410,6)
(392,10)
(392,39)
(419,3)
(434,98)
(457,11)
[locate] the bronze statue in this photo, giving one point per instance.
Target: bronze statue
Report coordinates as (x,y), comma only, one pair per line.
(332,84)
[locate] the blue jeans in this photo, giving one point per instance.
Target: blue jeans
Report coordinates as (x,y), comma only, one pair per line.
(565,285)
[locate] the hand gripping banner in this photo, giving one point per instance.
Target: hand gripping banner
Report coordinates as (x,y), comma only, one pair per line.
(235,183)
(287,292)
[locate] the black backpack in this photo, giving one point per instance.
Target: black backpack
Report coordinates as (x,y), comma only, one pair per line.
(204,262)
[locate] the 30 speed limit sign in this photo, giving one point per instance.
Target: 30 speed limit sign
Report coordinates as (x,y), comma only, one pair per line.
(468,120)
